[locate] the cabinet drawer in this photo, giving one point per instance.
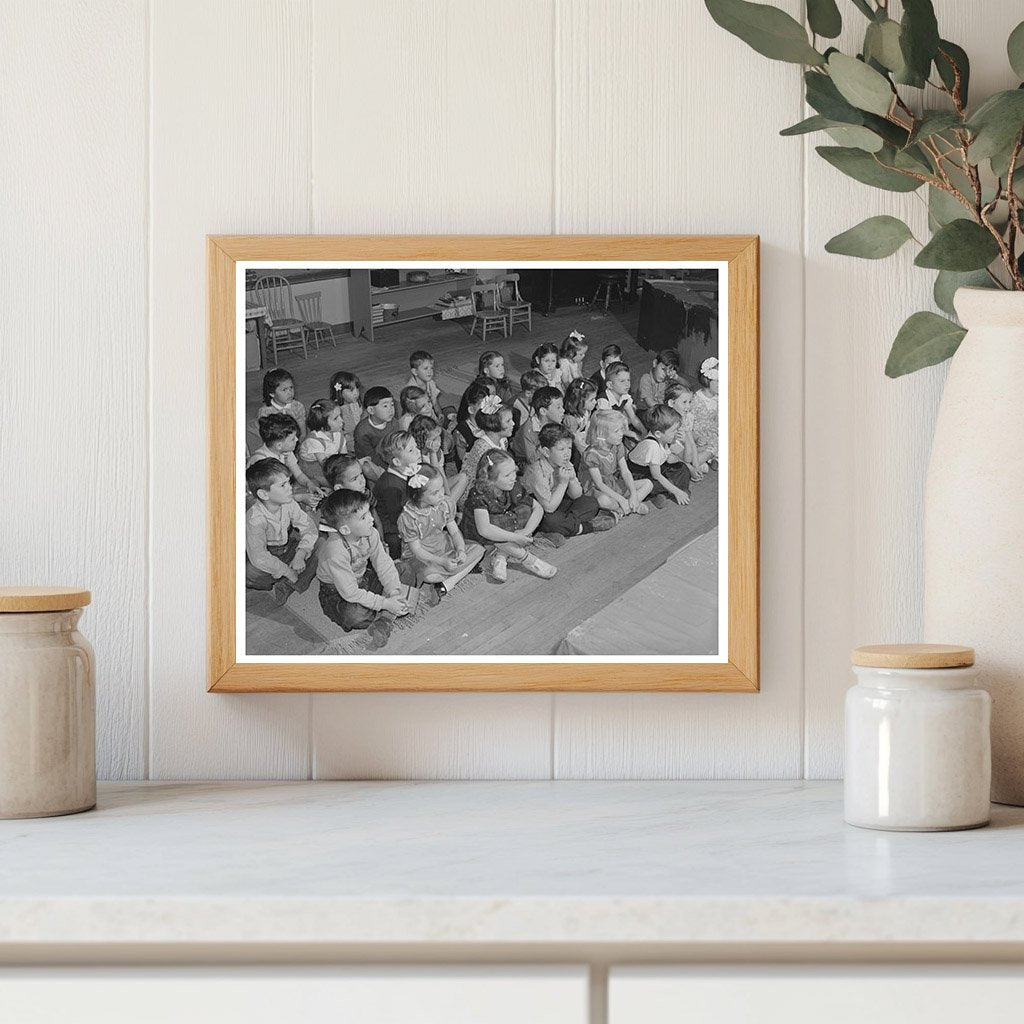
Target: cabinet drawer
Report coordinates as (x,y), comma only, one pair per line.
(391,995)
(792,995)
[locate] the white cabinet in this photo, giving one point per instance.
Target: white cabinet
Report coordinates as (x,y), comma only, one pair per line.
(280,995)
(812,995)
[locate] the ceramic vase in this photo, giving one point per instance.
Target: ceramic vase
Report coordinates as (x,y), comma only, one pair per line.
(974,517)
(47,715)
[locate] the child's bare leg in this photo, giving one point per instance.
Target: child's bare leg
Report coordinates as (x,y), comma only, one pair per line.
(643,488)
(474,552)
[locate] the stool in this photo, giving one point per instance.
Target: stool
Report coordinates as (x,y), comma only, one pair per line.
(609,283)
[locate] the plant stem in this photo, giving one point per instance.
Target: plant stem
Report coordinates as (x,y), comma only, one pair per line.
(1014,209)
(954,93)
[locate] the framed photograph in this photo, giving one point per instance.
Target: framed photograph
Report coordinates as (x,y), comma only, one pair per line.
(483,463)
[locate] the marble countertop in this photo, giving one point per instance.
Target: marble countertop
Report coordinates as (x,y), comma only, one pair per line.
(500,862)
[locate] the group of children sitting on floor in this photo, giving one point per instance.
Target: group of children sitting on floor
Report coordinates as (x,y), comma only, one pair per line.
(392,506)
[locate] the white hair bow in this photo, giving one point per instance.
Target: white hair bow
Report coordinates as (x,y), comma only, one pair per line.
(418,480)
(709,368)
(577,335)
(492,403)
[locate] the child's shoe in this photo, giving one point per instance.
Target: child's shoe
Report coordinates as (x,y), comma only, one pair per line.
(379,631)
(430,595)
(713,464)
(281,591)
(659,500)
(531,563)
(601,522)
(497,571)
(643,508)
(549,540)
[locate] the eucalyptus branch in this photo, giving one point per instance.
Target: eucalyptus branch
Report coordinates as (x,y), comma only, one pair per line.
(962,232)
(954,93)
(1013,204)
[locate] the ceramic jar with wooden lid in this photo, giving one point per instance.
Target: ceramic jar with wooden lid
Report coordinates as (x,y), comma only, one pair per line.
(47,704)
(918,749)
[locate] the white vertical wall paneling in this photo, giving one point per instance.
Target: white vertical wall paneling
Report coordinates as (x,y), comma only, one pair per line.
(432,118)
(868,437)
(666,124)
(73,292)
(230,149)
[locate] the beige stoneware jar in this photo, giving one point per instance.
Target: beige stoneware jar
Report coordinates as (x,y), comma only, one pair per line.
(47,704)
(918,746)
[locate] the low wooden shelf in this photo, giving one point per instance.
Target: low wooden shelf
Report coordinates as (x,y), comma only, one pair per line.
(425,294)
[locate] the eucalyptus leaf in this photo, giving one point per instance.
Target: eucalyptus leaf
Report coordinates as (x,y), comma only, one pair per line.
(944,208)
(948,281)
(925,339)
(919,39)
(892,133)
(1015,50)
(824,18)
(824,97)
(872,239)
(996,124)
(860,85)
(1000,161)
(817,123)
(864,167)
(934,122)
(766,29)
(856,136)
(913,159)
(959,245)
(882,44)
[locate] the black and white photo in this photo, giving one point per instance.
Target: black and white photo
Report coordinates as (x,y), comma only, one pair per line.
(515,461)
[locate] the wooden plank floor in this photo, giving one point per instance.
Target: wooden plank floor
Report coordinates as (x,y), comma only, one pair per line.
(526,615)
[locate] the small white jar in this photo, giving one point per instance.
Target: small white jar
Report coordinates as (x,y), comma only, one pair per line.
(918,749)
(47,704)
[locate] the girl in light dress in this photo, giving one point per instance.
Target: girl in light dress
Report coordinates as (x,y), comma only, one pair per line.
(500,515)
(570,359)
(347,391)
(705,415)
(606,475)
(325,438)
(432,544)
(545,359)
(466,431)
(580,402)
(495,424)
(279,397)
(679,396)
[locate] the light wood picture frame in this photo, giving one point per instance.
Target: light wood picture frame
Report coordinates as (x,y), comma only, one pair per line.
(736,668)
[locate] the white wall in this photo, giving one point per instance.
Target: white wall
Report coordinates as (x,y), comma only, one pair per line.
(133,130)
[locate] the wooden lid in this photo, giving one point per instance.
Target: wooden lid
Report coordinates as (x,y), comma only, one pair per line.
(912,656)
(42,599)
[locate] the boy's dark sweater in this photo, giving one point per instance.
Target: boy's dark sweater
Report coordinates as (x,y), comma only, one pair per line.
(392,492)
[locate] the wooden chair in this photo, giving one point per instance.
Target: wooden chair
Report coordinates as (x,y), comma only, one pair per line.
(314,326)
(284,329)
(519,311)
(487,311)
